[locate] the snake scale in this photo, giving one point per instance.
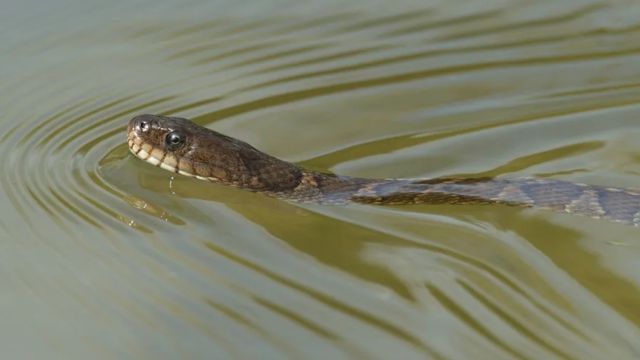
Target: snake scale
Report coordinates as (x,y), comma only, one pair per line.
(181,146)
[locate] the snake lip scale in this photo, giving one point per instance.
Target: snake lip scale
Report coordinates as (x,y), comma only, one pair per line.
(180,146)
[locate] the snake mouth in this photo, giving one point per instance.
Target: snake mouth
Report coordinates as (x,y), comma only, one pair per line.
(157,156)
(153,155)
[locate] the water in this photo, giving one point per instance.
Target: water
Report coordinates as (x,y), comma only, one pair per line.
(103,256)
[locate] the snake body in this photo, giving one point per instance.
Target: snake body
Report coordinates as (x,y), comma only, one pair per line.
(181,146)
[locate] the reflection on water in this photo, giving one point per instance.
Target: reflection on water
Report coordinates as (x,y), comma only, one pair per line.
(105,256)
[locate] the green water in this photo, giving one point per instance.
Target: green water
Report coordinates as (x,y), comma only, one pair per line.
(103,256)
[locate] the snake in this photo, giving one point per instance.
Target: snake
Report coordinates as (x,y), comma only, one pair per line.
(186,148)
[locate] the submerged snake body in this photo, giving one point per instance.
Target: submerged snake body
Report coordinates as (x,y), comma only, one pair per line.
(180,146)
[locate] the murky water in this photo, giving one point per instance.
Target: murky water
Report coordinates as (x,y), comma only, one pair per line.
(103,256)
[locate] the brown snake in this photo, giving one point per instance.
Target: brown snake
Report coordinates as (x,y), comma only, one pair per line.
(180,146)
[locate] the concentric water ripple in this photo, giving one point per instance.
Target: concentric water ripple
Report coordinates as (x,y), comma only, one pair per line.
(104,255)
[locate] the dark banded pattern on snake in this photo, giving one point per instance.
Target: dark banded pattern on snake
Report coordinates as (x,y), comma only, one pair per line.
(180,146)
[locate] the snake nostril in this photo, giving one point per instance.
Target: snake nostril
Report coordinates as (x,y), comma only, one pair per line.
(142,125)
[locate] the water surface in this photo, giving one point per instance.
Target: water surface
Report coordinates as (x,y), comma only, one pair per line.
(103,256)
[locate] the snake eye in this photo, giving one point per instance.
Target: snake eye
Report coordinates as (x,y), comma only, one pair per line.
(174,140)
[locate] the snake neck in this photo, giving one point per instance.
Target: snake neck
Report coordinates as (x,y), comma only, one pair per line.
(322,188)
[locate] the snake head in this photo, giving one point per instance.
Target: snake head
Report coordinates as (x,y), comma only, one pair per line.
(181,146)
(159,140)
